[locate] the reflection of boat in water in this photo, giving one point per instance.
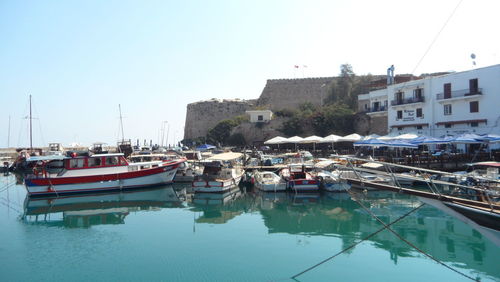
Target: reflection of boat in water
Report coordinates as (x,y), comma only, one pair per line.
(216,198)
(493,235)
(93,209)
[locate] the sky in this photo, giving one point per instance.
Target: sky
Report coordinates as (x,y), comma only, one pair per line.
(80,59)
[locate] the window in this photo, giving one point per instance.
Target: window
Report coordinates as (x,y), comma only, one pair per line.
(94,162)
(260,117)
(447,125)
(376,106)
(419,113)
(418,94)
(76,163)
(399,97)
(111,160)
(473,86)
(400,115)
(447,90)
(474,124)
(447,109)
(474,106)
(419,127)
(366,106)
(400,128)
(385,104)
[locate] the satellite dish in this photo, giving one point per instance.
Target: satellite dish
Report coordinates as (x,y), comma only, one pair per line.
(473,56)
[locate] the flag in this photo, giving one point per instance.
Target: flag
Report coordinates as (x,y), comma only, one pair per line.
(296,66)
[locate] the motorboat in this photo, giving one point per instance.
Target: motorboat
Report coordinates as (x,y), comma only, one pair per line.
(221,173)
(98,172)
(331,182)
(268,181)
(187,172)
(299,179)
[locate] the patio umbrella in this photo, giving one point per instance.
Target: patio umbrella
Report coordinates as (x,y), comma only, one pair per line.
(406,136)
(491,138)
(428,140)
(294,140)
(351,138)
(467,138)
(401,144)
(371,136)
(332,138)
(371,143)
(276,140)
(312,139)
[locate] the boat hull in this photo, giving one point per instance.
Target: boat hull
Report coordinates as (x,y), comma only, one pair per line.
(303,185)
(56,186)
(270,187)
(336,187)
(213,186)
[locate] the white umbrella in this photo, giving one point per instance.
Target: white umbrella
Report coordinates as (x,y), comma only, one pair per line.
(312,139)
(330,139)
(351,138)
(276,140)
(371,136)
(294,140)
(390,136)
(406,136)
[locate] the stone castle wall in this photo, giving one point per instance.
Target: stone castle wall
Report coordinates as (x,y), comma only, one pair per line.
(281,94)
(366,125)
(204,115)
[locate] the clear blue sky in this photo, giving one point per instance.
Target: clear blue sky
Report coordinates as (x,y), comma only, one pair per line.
(80,59)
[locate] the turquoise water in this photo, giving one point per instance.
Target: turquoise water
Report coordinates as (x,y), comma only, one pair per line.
(166,234)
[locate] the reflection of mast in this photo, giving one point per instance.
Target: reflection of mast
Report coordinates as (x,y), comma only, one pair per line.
(31,129)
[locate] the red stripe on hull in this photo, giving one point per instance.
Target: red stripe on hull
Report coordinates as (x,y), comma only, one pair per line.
(98,178)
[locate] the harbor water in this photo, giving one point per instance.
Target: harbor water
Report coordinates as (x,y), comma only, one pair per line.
(169,234)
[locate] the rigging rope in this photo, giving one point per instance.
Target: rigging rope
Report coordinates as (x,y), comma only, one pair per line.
(409,243)
(355,244)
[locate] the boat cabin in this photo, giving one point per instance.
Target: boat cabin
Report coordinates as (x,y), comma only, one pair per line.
(95,161)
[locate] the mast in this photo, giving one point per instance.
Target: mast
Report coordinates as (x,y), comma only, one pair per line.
(31,129)
(121,121)
(8,135)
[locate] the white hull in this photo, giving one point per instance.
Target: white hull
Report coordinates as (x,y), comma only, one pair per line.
(221,186)
(130,183)
(271,187)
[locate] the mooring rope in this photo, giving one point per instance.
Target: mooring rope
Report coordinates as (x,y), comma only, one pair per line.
(411,244)
(355,244)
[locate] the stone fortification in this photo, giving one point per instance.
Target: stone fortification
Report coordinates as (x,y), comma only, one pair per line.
(281,94)
(204,115)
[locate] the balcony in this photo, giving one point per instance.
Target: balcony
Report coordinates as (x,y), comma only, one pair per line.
(411,100)
(464,93)
(375,110)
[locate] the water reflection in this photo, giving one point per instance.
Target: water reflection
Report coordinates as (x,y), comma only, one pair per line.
(334,215)
(94,209)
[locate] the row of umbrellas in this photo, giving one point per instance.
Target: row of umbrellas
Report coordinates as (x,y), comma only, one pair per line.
(407,140)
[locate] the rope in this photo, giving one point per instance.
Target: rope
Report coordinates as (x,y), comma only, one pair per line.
(411,244)
(355,244)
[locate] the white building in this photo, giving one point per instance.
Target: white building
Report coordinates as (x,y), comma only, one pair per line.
(260,116)
(451,104)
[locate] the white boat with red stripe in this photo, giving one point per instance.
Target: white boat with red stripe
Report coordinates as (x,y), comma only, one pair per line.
(299,180)
(96,173)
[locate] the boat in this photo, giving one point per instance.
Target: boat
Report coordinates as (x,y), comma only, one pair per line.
(187,172)
(221,173)
(268,181)
(298,179)
(331,182)
(97,173)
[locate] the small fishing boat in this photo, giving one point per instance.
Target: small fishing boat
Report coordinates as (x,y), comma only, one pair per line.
(95,173)
(298,179)
(221,173)
(332,183)
(268,181)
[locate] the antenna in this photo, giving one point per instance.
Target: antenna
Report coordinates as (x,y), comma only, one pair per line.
(8,135)
(31,129)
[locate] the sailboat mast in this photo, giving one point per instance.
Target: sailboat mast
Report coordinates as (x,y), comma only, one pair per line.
(121,121)
(31,129)
(8,135)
